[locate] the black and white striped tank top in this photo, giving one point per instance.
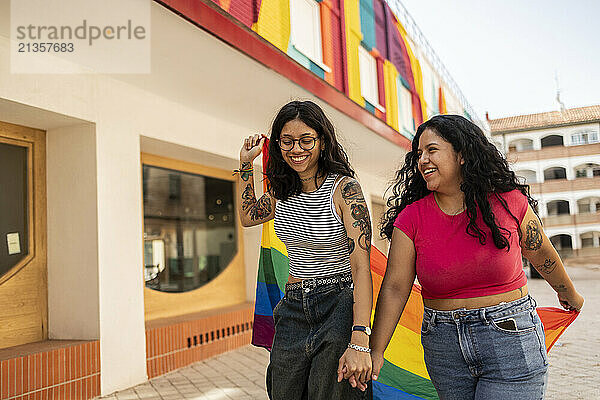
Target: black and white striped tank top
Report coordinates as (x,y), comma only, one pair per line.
(313,232)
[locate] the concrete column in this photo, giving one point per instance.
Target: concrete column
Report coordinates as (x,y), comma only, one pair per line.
(537,143)
(122,330)
(572,206)
(73,287)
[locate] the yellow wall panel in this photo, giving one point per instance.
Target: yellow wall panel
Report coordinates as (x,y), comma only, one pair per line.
(390,76)
(353,38)
(274,22)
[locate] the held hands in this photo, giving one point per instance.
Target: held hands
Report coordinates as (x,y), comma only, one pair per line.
(569,299)
(355,366)
(377,360)
(252,148)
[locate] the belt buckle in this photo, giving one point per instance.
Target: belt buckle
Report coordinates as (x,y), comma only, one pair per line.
(307,284)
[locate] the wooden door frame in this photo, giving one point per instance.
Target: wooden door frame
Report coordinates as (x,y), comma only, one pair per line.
(35,141)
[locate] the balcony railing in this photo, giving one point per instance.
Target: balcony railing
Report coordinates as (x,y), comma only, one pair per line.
(553,152)
(564,219)
(565,185)
(568,219)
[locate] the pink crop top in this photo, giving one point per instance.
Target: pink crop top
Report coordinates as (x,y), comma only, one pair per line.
(451,264)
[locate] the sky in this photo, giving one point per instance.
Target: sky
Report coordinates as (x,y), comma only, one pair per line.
(504,54)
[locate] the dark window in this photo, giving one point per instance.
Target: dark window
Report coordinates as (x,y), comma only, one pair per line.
(552,140)
(189,229)
(14,229)
(555,173)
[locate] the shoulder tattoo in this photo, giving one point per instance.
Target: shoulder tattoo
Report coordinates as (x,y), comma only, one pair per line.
(351,192)
(533,236)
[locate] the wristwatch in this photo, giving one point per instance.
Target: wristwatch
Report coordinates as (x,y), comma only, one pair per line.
(361,328)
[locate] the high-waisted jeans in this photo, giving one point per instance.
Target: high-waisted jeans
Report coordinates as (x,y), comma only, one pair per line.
(313,326)
(487,353)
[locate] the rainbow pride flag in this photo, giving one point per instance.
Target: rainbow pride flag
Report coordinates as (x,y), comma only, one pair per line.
(403,375)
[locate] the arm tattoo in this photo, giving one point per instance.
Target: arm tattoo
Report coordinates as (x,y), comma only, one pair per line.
(262,209)
(533,236)
(350,245)
(547,267)
(248,198)
(352,195)
(256,209)
(363,222)
(246,175)
(351,192)
(559,288)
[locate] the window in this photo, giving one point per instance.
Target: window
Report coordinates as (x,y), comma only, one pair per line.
(521,145)
(552,140)
(368,77)
(305,25)
(555,173)
(587,170)
(189,228)
(584,137)
(405,109)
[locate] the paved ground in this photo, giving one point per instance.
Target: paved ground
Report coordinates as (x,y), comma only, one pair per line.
(574,360)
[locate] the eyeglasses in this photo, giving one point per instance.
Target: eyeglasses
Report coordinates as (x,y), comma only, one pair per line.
(305,143)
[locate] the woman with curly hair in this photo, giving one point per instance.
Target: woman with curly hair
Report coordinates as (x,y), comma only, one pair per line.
(460,220)
(322,322)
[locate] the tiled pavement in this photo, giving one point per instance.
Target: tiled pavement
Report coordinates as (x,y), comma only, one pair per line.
(574,361)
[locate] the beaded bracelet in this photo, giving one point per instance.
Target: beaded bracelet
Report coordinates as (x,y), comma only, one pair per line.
(359,348)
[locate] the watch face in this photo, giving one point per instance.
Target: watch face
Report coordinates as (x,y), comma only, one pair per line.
(368,330)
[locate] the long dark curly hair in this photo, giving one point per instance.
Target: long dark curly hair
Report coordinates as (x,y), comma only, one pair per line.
(485,172)
(283,181)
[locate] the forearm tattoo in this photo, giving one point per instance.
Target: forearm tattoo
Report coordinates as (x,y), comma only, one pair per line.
(245,175)
(547,267)
(533,236)
(559,288)
(353,196)
(256,209)
(350,245)
(262,208)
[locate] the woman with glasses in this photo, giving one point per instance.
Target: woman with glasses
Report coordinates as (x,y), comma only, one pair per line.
(460,221)
(322,323)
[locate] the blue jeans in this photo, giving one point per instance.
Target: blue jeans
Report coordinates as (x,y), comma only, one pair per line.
(489,353)
(313,326)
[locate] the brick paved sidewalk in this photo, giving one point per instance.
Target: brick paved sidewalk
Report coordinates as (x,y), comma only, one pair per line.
(236,375)
(574,361)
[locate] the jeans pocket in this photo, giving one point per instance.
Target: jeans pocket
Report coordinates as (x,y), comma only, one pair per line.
(277,308)
(516,324)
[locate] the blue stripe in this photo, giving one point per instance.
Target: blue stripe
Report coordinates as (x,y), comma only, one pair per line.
(267,297)
(384,392)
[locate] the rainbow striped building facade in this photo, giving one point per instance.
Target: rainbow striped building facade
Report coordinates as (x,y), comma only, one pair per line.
(360,48)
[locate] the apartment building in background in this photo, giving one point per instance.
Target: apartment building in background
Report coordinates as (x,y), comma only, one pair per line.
(558,154)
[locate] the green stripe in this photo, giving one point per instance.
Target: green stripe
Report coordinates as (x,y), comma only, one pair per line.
(408,382)
(273,267)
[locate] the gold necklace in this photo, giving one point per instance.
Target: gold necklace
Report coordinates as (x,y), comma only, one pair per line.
(453,214)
